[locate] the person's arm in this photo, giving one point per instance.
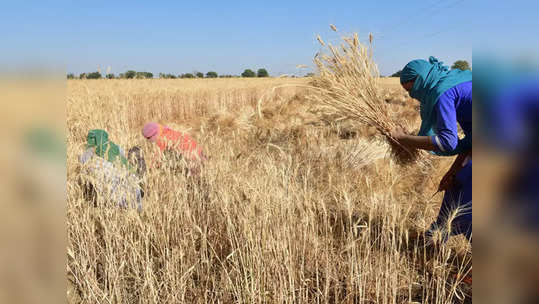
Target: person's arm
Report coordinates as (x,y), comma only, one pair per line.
(137,160)
(412,141)
(459,161)
(446,137)
(448,179)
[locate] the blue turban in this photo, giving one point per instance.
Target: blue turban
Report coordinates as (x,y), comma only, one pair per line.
(432,79)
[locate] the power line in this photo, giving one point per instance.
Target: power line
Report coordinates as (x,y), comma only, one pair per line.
(406,20)
(435,9)
(428,34)
(422,37)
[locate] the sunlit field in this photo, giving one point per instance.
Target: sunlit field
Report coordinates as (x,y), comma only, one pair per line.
(291,207)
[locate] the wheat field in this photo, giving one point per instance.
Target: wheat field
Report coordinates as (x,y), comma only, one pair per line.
(290,208)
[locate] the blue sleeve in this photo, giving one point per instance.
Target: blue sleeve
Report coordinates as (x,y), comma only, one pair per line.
(446,138)
(512,118)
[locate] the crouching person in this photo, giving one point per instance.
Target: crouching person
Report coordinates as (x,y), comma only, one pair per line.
(175,145)
(108,173)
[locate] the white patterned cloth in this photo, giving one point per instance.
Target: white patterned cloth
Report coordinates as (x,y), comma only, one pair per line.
(115,184)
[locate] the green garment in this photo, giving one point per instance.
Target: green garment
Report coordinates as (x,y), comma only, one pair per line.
(100,140)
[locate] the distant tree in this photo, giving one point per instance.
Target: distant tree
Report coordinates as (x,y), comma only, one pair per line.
(143,75)
(188,75)
(211,74)
(70,76)
(130,74)
(111,76)
(397,74)
(199,75)
(121,75)
(461,64)
(167,76)
(248,73)
(262,73)
(309,74)
(93,75)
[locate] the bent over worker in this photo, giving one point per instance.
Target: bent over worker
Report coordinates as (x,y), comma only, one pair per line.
(169,140)
(110,175)
(445,98)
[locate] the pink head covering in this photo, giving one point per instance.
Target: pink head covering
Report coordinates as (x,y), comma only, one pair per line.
(151,131)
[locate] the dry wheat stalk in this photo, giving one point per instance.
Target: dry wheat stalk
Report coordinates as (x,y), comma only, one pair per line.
(260,225)
(346,85)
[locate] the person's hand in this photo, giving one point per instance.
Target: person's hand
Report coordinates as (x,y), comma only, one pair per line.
(398,134)
(448,181)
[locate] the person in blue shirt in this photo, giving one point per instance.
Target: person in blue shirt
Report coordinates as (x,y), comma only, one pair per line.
(445,98)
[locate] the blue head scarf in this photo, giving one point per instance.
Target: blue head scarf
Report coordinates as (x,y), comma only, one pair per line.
(432,79)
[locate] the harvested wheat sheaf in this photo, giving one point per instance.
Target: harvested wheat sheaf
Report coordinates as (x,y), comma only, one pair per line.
(347,87)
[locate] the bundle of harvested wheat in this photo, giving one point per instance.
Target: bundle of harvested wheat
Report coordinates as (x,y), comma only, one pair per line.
(346,86)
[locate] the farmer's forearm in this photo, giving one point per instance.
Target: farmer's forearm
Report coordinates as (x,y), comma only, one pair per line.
(417,142)
(459,160)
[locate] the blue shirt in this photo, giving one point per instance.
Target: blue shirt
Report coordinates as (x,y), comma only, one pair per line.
(454,106)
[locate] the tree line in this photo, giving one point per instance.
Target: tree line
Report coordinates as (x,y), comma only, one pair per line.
(131,74)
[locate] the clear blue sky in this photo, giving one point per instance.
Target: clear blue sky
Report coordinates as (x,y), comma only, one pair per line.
(229,36)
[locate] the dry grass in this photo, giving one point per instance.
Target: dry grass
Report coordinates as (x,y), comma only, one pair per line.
(348,86)
(290,208)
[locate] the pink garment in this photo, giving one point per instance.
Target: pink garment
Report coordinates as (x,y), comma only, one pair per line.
(181,142)
(151,131)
